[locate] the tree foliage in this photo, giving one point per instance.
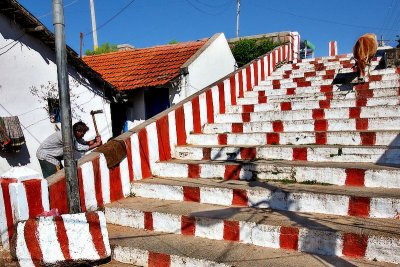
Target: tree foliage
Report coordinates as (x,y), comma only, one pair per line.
(246,50)
(104,48)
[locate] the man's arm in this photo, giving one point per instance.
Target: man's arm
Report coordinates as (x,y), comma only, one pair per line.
(83,146)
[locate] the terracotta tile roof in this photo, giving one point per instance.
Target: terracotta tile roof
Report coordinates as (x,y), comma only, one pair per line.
(143,67)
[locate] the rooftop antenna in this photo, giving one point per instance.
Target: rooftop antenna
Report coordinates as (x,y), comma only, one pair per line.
(94,30)
(237,18)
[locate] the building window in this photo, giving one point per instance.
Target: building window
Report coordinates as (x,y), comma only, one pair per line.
(54,110)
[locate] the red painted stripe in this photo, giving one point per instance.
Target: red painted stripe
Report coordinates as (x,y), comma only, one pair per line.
(276,84)
(180,126)
(262,99)
(277,126)
(191,194)
(289,237)
(359,206)
(299,153)
(310,74)
(33,189)
(375,78)
(303,84)
(354,245)
(194,170)
(354,112)
(7,204)
(273,138)
(159,260)
(246,117)
(196,115)
(326,88)
(188,225)
(210,106)
(62,237)
(273,60)
(222,139)
(318,114)
(232,172)
(321,138)
(231,231)
(130,161)
(321,125)
(32,242)
(241,89)
(262,69)
(361,102)
(57,196)
(286,106)
(221,94)
(148,221)
(290,91)
(237,127)
(164,147)
(248,78)
(232,83)
(324,104)
(81,190)
(355,177)
(248,153)
(255,65)
(144,153)
(248,108)
(362,124)
(116,192)
(365,93)
(95,231)
(206,153)
(368,138)
(240,198)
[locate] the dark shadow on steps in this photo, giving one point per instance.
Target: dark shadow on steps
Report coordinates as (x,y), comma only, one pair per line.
(391,157)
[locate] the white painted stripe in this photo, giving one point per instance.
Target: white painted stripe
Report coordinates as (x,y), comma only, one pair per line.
(45,195)
(88,186)
(383,248)
(136,159)
(212,171)
(124,170)
(178,261)
(164,222)
(219,196)
(172,131)
(105,179)
(125,217)
(318,203)
(176,170)
(3,222)
(130,255)
(251,75)
(79,237)
(384,207)
(244,80)
(22,252)
(209,228)
(104,232)
(152,140)
(19,202)
(48,241)
(320,242)
(215,100)
(188,110)
(259,71)
(237,85)
(227,92)
(203,109)
(260,234)
(158,191)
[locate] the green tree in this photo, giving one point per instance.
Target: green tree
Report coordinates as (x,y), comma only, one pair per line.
(104,48)
(246,50)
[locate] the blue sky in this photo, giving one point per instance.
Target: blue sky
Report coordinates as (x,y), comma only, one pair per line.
(145,23)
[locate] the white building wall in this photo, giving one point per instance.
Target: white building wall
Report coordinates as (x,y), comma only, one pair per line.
(214,63)
(26,62)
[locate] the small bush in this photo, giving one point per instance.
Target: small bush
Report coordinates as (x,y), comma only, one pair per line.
(246,50)
(104,48)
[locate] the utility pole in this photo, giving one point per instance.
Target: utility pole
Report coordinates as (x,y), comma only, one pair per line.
(94,30)
(237,18)
(71,174)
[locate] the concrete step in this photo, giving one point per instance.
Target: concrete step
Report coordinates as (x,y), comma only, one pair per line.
(263,125)
(315,104)
(316,153)
(324,96)
(333,200)
(309,114)
(305,232)
(145,248)
(346,138)
(342,174)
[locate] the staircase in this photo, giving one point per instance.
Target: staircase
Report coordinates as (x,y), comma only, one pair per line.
(302,171)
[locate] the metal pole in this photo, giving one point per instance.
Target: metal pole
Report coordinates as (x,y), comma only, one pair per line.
(94,30)
(66,124)
(237,18)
